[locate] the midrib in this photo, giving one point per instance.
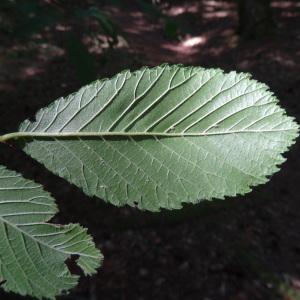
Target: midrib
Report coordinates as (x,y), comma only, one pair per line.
(17,135)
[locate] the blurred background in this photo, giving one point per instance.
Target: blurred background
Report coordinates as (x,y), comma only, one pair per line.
(236,249)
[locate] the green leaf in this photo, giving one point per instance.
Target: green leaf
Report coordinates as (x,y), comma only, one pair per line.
(159,137)
(33,252)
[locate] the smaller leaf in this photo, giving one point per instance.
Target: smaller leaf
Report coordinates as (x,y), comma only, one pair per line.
(33,252)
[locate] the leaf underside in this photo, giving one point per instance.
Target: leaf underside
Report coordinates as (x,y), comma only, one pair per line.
(182,134)
(33,252)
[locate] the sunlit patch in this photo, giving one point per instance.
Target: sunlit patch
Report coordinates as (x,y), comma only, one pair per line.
(175,11)
(194,41)
(287,9)
(179,10)
(62,28)
(282,59)
(213,3)
(285,4)
(189,46)
(137,14)
(217,14)
(31,71)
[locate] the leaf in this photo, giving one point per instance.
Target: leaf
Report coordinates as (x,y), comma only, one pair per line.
(159,137)
(33,252)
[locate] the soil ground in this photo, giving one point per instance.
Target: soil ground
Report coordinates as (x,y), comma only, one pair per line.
(245,248)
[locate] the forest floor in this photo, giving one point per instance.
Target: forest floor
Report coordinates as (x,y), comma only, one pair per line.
(238,249)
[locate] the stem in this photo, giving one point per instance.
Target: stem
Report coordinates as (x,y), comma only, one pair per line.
(16,135)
